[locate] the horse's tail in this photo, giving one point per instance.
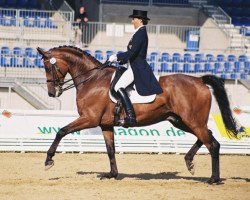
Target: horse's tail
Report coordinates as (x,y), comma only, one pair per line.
(221,97)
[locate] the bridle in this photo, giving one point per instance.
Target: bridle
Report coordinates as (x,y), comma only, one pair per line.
(58,83)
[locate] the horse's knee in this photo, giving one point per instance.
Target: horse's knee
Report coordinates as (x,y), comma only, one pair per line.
(61,133)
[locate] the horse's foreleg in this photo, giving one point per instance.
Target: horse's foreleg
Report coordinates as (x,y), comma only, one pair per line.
(76,125)
(51,152)
(190,156)
(110,145)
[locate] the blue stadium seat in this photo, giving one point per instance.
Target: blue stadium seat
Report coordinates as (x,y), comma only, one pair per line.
(247,64)
(1,20)
(98,55)
(40,23)
(220,58)
(228,67)
(165,67)
(152,66)
(50,24)
(218,67)
(38,62)
(28,22)
(176,57)
(17,51)
(198,57)
(4,62)
(242,58)
(233,76)
(224,76)
(176,67)
(109,53)
(243,76)
(208,67)
(14,62)
(187,57)
(198,67)
(5,50)
(231,58)
(29,52)
(26,62)
(187,67)
(210,58)
(153,56)
(237,67)
(8,21)
(165,57)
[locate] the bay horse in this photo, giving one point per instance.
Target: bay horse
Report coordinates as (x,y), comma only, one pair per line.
(185,102)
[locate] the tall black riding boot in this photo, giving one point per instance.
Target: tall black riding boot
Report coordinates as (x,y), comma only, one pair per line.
(130,119)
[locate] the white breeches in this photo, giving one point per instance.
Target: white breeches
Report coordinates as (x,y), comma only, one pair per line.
(126,79)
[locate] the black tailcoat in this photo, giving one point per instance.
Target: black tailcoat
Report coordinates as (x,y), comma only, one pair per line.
(145,81)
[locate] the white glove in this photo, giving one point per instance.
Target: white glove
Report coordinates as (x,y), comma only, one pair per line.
(113,58)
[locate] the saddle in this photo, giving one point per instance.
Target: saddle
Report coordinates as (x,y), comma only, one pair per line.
(131,91)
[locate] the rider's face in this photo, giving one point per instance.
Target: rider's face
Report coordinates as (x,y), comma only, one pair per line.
(136,22)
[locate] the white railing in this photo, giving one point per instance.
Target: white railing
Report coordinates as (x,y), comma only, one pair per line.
(38,134)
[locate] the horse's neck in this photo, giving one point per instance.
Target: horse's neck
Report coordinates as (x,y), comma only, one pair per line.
(82,68)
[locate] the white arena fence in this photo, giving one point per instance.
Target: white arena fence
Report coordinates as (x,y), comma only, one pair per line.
(30,130)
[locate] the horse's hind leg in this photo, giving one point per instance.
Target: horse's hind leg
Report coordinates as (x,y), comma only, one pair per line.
(206,137)
(215,155)
(109,140)
(190,155)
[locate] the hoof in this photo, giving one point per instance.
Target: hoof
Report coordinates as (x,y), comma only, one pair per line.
(215,181)
(49,164)
(190,166)
(108,176)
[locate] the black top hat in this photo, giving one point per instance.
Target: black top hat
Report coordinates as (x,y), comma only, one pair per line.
(141,14)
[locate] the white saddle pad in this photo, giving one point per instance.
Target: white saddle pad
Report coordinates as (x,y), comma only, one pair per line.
(134,96)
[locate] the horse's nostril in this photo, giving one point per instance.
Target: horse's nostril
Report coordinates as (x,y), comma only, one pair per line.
(51,94)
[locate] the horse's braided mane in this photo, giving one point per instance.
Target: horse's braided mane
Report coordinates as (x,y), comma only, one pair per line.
(79,51)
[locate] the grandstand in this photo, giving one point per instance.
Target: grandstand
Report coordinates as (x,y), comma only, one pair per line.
(209,37)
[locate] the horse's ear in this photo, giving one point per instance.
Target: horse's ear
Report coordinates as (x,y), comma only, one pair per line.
(42,52)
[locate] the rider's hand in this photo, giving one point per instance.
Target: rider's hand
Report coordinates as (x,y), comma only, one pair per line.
(112,58)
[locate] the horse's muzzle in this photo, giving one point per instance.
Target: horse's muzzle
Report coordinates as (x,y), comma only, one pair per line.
(51,94)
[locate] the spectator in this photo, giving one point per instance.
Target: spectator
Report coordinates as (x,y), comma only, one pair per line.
(83,19)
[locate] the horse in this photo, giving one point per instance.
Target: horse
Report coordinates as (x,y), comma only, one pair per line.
(185,102)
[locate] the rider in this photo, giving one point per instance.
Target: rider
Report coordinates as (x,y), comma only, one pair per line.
(138,69)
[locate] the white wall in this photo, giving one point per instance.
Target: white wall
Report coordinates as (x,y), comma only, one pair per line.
(238,95)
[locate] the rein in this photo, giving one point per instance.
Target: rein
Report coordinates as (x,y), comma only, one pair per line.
(58,83)
(84,81)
